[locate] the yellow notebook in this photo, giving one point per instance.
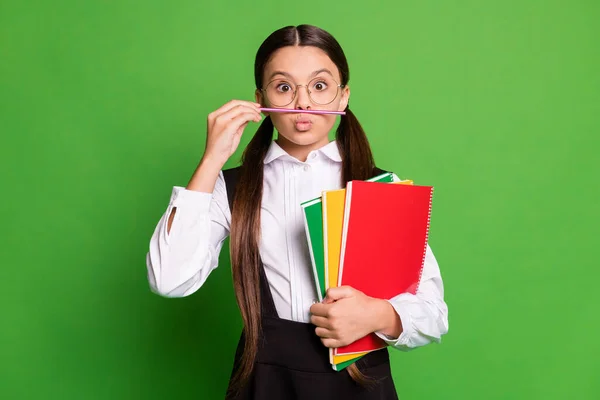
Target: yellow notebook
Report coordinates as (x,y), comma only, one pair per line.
(333,221)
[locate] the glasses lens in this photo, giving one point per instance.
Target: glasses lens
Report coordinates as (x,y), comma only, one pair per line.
(323,90)
(280,93)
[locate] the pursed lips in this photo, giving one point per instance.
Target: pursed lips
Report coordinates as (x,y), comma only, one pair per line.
(303,118)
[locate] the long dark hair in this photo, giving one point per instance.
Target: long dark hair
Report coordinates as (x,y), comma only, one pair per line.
(357,163)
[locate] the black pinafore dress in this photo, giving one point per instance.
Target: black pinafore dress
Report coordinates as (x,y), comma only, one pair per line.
(293,364)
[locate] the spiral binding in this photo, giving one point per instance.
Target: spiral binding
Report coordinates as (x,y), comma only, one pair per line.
(426,240)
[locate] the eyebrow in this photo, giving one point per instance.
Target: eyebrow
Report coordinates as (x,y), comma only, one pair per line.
(315,73)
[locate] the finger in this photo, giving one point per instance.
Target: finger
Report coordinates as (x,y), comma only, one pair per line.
(231,105)
(330,343)
(230,115)
(337,293)
(320,322)
(324,333)
(224,115)
(236,103)
(319,309)
(237,137)
(241,121)
(238,133)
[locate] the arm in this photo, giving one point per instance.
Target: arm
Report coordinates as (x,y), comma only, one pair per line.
(414,320)
(185,245)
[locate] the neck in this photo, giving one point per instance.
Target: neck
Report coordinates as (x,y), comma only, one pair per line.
(299,151)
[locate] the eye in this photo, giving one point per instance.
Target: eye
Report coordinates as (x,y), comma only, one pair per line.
(320,86)
(284,87)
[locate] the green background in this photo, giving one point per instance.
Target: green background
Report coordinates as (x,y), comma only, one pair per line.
(103,109)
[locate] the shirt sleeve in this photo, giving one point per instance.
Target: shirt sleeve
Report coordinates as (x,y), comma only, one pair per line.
(180,260)
(424,315)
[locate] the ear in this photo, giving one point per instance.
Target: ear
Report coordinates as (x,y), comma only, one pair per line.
(258,96)
(345,98)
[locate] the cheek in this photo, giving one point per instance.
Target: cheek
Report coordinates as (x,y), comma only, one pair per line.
(279,120)
(283,124)
(336,104)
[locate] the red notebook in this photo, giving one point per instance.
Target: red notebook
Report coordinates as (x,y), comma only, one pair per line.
(384,241)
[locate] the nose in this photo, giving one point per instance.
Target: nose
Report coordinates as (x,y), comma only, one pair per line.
(302,99)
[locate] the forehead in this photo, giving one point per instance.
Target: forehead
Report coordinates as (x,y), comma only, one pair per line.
(300,62)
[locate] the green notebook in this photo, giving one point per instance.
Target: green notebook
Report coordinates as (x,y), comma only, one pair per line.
(313,225)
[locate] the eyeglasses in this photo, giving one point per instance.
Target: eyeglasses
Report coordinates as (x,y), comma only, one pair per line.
(322,90)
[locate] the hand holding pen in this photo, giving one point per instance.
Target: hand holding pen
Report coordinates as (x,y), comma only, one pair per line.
(227,123)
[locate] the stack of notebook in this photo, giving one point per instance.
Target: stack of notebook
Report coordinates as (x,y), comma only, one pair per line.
(371,236)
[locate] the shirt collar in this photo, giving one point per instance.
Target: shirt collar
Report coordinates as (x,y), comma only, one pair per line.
(275,152)
(331,150)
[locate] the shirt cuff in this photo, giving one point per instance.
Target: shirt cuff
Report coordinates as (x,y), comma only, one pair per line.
(182,197)
(190,206)
(405,319)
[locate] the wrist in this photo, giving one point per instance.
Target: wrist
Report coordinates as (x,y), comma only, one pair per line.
(386,319)
(205,176)
(211,163)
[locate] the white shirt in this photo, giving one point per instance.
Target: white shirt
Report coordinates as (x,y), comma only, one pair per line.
(180,261)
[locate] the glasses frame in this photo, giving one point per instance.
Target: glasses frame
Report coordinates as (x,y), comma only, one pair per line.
(296,87)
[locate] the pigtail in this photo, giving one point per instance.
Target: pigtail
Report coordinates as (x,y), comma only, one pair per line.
(244,239)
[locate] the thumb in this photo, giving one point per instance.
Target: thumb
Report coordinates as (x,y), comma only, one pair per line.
(337,293)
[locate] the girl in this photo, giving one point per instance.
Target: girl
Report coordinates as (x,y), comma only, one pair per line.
(282,351)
